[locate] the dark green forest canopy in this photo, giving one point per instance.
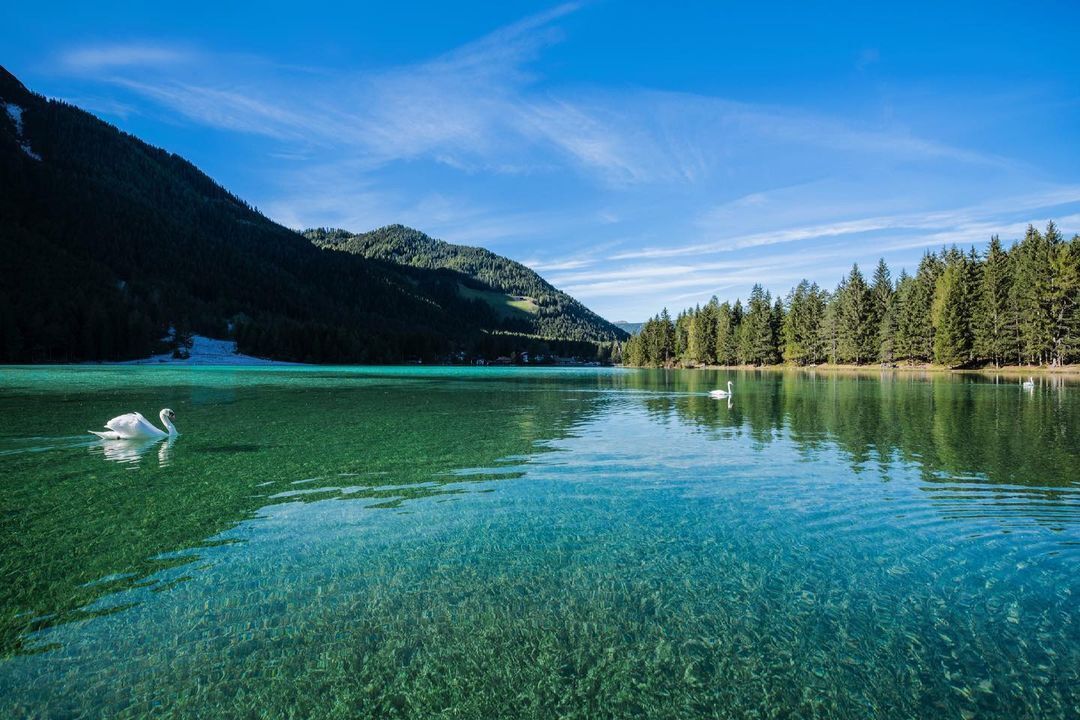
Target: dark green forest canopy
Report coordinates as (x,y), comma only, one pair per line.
(555,314)
(106,241)
(1015,306)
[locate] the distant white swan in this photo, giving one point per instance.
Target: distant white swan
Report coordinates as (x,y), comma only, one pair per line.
(134,425)
(1029,384)
(722,393)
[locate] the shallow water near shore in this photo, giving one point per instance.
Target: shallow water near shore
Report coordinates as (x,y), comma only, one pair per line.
(504,542)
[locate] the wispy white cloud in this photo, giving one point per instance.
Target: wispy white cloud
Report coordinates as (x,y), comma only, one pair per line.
(232,109)
(103,105)
(960,222)
(977,233)
(647,271)
(867,57)
(850,227)
(547,266)
(713,276)
(506,48)
(113,57)
(346,196)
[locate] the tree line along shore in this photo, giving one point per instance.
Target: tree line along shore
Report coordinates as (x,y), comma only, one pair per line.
(960,310)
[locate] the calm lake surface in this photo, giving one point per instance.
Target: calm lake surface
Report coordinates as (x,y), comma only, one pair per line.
(490,542)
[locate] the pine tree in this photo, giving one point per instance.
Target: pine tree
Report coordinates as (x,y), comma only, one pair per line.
(794,347)
(682,334)
(830,326)
(1072,336)
(950,316)
(994,336)
(1032,287)
(702,334)
(759,340)
(667,338)
(726,339)
(915,332)
(742,341)
(857,331)
(633,352)
(776,327)
(801,332)
(882,292)
(817,300)
(1063,294)
(693,350)
(709,315)
(902,344)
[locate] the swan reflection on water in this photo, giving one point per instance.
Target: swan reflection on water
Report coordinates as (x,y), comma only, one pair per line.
(131,452)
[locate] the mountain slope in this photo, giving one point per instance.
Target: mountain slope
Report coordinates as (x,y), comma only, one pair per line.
(105,241)
(541,309)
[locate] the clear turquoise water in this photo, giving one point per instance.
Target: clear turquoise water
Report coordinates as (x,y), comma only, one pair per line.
(438,542)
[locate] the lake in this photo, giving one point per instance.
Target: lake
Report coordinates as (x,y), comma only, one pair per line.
(503,542)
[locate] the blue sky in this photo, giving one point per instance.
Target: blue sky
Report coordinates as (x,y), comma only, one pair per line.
(637,156)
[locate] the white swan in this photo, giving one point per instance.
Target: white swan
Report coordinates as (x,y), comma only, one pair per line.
(134,425)
(721,393)
(1029,384)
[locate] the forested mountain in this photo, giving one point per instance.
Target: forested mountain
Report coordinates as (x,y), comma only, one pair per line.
(526,301)
(1016,306)
(106,241)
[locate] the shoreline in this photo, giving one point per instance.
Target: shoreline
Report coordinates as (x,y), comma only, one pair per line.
(1010,370)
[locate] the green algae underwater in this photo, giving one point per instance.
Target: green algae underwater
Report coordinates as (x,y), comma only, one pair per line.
(527,543)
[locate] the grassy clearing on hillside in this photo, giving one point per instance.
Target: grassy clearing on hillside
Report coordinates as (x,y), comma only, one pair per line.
(505,305)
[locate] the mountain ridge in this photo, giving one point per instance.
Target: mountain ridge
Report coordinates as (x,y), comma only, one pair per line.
(106,241)
(555,313)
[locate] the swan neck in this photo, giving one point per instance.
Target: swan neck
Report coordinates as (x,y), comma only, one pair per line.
(168,425)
